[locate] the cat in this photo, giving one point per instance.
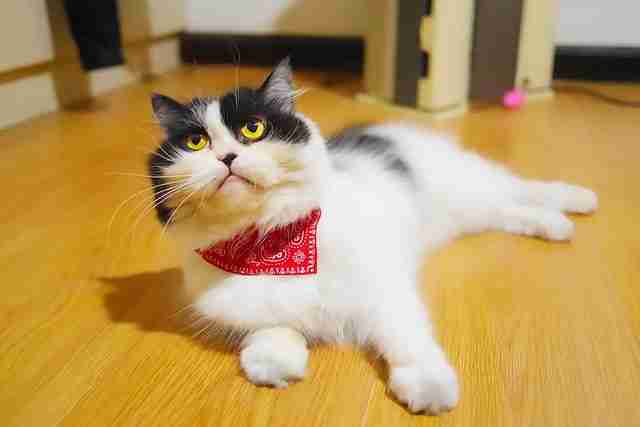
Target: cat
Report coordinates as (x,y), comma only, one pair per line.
(373,200)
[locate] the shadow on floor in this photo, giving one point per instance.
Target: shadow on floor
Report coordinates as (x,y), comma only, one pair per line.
(156,302)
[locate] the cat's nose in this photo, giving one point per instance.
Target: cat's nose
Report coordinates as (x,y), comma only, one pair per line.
(228,159)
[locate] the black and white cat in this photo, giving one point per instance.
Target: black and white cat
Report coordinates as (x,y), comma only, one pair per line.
(388,194)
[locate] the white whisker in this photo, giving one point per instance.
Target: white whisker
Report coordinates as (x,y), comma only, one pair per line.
(147,176)
(165,195)
(299,92)
(128,199)
(175,211)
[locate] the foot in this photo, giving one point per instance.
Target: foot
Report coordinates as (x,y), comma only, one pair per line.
(583,201)
(534,221)
(274,357)
(562,197)
(556,226)
(425,387)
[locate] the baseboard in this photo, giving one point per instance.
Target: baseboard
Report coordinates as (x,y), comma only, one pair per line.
(347,53)
(600,63)
(414,113)
(335,53)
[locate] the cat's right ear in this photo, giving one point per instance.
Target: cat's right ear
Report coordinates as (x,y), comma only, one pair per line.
(167,110)
(278,87)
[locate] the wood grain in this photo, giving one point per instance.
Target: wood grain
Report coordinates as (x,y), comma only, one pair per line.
(542,334)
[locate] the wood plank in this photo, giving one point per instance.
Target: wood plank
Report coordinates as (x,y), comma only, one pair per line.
(541,333)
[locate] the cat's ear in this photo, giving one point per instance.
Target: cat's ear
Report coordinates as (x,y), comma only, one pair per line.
(167,110)
(278,87)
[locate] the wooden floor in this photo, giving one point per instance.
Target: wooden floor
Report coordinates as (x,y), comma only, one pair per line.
(542,334)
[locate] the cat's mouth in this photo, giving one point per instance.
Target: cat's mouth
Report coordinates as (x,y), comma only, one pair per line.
(235,178)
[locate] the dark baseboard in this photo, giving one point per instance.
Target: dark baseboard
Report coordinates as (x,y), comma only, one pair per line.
(335,53)
(347,53)
(597,63)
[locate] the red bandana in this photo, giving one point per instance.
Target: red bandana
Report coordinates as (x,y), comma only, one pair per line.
(290,250)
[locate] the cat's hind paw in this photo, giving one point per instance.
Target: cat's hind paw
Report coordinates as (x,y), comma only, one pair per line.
(433,389)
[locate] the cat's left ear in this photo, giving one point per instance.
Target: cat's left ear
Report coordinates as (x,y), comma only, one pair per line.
(278,87)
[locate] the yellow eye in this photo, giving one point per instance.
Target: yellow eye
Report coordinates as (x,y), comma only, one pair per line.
(253,130)
(197,142)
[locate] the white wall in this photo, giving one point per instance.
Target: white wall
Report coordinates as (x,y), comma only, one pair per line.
(304,17)
(25,37)
(598,23)
(579,22)
(166,16)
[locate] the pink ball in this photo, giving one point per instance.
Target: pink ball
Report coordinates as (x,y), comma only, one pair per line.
(513,99)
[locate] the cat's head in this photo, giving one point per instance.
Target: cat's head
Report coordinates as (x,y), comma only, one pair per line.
(246,154)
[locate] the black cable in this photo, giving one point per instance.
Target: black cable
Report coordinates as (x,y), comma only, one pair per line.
(597,94)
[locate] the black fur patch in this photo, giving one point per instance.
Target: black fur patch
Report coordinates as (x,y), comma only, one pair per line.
(178,121)
(237,107)
(357,139)
(157,161)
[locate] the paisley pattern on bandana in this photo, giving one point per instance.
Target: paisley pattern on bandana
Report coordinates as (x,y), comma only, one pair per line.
(285,251)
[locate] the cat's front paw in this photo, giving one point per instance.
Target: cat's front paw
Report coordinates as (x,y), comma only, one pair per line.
(577,199)
(422,387)
(274,363)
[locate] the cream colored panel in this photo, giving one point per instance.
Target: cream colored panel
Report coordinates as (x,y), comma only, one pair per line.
(26,98)
(535,55)
(164,56)
(168,16)
(25,37)
(70,80)
(447,36)
(380,49)
(134,20)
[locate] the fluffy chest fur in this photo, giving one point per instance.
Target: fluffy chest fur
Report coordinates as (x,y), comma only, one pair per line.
(360,240)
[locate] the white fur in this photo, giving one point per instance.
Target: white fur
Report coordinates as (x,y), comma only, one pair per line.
(274,356)
(375,229)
